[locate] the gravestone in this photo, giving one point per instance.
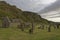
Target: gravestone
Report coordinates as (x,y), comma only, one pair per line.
(5,22)
(57,26)
(49,28)
(21,26)
(42,27)
(32,29)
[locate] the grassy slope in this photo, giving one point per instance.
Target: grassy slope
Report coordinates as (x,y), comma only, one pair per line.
(16,34)
(8,10)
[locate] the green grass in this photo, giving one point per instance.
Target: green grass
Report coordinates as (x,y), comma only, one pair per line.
(39,34)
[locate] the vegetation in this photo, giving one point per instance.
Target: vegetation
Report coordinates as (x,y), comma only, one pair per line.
(14,33)
(17,34)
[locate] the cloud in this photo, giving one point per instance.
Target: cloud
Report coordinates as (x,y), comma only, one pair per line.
(52,13)
(30,5)
(54,19)
(2,0)
(47,1)
(55,6)
(23,4)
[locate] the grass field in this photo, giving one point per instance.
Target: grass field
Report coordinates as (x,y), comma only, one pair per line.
(39,34)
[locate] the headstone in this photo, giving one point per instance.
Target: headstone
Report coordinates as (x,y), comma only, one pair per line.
(57,26)
(21,26)
(5,22)
(32,29)
(49,28)
(42,26)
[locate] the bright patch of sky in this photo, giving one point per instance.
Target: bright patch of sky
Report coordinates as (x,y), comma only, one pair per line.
(52,16)
(57,19)
(31,5)
(47,1)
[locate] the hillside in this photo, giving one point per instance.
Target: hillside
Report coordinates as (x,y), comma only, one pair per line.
(8,10)
(13,12)
(42,30)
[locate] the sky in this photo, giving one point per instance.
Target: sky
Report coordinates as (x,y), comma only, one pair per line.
(48,9)
(52,12)
(31,5)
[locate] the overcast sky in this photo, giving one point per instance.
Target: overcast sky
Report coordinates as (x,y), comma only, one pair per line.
(31,5)
(52,12)
(48,9)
